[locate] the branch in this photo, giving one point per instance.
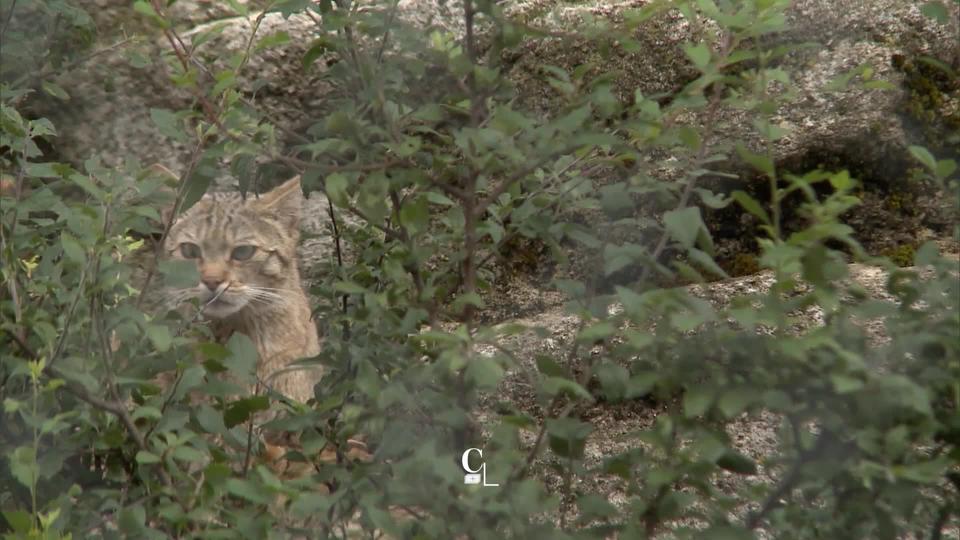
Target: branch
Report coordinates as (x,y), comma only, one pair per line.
(505,185)
(582,380)
(168,224)
(31,78)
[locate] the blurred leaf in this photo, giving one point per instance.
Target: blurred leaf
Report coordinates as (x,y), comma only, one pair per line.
(160,336)
(246,489)
(55,90)
(179,274)
(72,248)
(273,40)
(242,362)
(736,462)
(20,521)
(725,532)
(936,10)
(568,436)
(23,466)
(317,49)
(548,366)
(698,53)
(289,7)
(924,156)
(596,332)
(169,124)
(760,162)
(684,225)
(751,205)
(144,457)
(697,401)
(241,410)
(336,189)
(614,380)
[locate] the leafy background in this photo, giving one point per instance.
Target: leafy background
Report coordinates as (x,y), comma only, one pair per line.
(524,271)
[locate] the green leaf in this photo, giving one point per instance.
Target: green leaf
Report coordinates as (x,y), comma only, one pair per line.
(734,401)
(20,521)
(760,162)
(690,137)
(241,410)
(179,274)
(131,521)
(160,336)
(594,507)
(936,10)
(925,472)
(945,167)
(844,384)
(146,411)
(568,436)
(699,54)
(751,205)
(145,458)
(169,124)
(697,401)
(248,490)
(485,372)
(242,362)
(349,287)
(613,380)
(197,184)
(556,385)
(415,215)
(273,40)
(289,7)
(640,384)
(336,189)
(684,225)
(725,532)
(596,332)
(316,50)
(210,419)
(55,90)
(72,248)
(924,156)
(23,466)
(736,462)
(144,8)
(548,366)
(707,262)
(188,454)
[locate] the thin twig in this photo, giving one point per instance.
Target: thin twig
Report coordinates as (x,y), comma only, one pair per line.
(706,140)
(28,79)
(519,175)
(6,23)
(582,380)
(181,191)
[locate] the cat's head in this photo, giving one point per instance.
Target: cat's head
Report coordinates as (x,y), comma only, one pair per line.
(245,249)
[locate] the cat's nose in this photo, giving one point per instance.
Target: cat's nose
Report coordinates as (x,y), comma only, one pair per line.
(212,284)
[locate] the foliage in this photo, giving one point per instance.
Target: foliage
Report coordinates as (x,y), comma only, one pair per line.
(428,147)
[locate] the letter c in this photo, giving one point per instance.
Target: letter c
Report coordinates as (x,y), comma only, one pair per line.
(465,460)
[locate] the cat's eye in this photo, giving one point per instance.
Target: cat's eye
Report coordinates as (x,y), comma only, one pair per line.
(242,253)
(189,251)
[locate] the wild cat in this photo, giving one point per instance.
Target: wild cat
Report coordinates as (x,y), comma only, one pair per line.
(245,249)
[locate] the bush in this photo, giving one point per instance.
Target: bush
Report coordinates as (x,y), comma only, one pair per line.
(443,176)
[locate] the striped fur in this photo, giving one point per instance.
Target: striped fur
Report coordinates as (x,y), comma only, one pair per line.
(260,295)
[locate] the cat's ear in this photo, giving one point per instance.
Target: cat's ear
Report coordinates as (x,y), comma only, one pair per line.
(283,202)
